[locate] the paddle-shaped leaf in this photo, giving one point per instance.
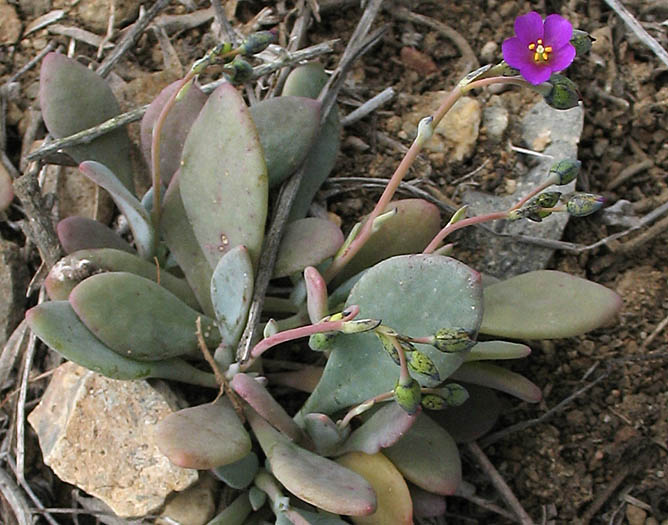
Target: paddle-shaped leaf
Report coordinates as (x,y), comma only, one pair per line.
(394,500)
(312,478)
(231,293)
(546,304)
(499,378)
(497,350)
(81,233)
(74,268)
(426,504)
(203,437)
(286,145)
(137,216)
(138,318)
(223,177)
(324,433)
(239,474)
(306,242)
(74,98)
(415,295)
(58,326)
(428,457)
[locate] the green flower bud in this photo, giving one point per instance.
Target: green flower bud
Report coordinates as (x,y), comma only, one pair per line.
(583,204)
(515,215)
(536,213)
(453,394)
(359,325)
(565,171)
(581,41)
(422,364)
(547,199)
(452,340)
(433,402)
(257,42)
(238,70)
(321,342)
(388,346)
(564,93)
(408,396)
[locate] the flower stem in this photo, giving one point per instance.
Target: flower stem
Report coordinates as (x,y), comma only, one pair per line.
(440,236)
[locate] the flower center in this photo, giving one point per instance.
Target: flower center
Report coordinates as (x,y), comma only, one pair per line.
(541,52)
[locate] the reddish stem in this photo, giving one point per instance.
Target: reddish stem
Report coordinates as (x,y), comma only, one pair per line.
(448,229)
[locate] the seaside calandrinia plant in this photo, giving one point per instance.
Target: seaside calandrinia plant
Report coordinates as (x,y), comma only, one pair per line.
(541,47)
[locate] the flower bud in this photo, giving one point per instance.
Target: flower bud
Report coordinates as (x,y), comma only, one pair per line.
(257,42)
(408,396)
(433,402)
(583,204)
(321,342)
(388,346)
(565,171)
(515,215)
(238,70)
(359,325)
(453,340)
(581,41)
(422,364)
(547,199)
(564,93)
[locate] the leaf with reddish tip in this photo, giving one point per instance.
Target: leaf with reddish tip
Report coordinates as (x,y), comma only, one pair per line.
(546,304)
(58,326)
(81,233)
(324,433)
(286,145)
(137,216)
(499,378)
(74,98)
(231,293)
(497,350)
(6,189)
(74,268)
(183,245)
(472,419)
(312,478)
(426,504)
(223,177)
(409,231)
(203,437)
(428,456)
(138,318)
(306,242)
(175,128)
(394,501)
(383,429)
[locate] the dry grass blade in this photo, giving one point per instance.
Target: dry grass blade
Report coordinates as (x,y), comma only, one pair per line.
(12,494)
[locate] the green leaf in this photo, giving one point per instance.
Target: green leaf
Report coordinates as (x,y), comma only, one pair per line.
(58,326)
(138,318)
(239,474)
(223,178)
(81,233)
(306,242)
(203,437)
(74,98)
(546,304)
(413,294)
(497,350)
(499,378)
(428,457)
(235,513)
(286,145)
(231,293)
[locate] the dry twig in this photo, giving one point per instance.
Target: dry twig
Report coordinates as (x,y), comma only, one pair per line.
(14,497)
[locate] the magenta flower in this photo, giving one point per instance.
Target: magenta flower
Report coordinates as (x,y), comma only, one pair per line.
(540,47)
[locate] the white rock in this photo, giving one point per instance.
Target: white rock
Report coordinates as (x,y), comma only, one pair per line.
(96,433)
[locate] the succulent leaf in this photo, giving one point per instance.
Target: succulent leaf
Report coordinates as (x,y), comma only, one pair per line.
(286,145)
(231,293)
(138,318)
(223,177)
(204,436)
(324,433)
(428,457)
(495,350)
(546,304)
(499,378)
(412,294)
(74,98)
(426,504)
(239,474)
(81,233)
(394,501)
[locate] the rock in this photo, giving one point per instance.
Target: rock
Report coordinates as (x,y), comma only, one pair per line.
(13,283)
(94,14)
(495,118)
(509,257)
(418,61)
(489,52)
(34,8)
(635,515)
(6,189)
(97,433)
(456,135)
(10,25)
(193,506)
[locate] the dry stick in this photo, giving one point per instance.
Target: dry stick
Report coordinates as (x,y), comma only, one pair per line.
(87,135)
(639,31)
(130,38)
(227,32)
(499,483)
(605,494)
(358,44)
(369,106)
(659,328)
(629,172)
(488,505)
(20,407)
(28,490)
(644,237)
(16,500)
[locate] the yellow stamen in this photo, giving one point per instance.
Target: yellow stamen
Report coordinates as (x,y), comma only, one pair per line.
(548,49)
(544,56)
(541,52)
(536,57)
(540,41)
(532,46)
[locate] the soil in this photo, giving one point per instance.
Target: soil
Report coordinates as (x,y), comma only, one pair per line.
(603,458)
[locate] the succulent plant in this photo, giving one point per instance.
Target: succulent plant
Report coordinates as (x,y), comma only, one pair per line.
(407,335)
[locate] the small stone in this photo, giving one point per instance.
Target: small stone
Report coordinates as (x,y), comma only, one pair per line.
(651,521)
(635,515)
(418,61)
(489,51)
(495,118)
(193,506)
(94,14)
(97,433)
(10,25)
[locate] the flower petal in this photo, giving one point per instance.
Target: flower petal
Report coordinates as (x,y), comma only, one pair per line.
(516,53)
(561,58)
(535,73)
(529,27)
(557,31)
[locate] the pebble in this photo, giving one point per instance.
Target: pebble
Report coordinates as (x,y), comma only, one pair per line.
(635,515)
(488,53)
(495,118)
(94,14)
(10,25)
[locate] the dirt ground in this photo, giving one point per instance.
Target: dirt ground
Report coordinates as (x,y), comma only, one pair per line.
(603,458)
